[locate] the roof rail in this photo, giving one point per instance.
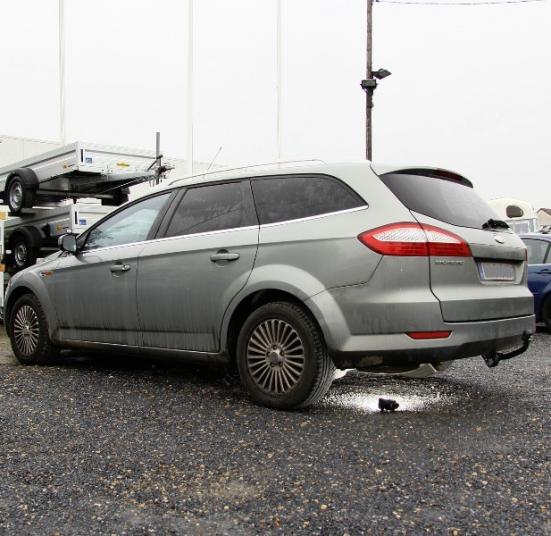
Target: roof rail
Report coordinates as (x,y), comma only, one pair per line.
(251,166)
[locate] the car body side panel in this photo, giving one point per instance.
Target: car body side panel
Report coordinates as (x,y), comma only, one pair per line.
(397,299)
(182,294)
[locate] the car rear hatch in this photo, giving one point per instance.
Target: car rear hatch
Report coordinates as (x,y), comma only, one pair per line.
(487,279)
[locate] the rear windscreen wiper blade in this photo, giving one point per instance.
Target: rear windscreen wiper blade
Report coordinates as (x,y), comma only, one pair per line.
(495,224)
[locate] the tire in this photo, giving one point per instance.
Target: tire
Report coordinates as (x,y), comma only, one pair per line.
(24,254)
(19,195)
(296,371)
(546,314)
(27,328)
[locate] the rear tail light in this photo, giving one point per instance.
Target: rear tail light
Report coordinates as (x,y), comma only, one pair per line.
(415,239)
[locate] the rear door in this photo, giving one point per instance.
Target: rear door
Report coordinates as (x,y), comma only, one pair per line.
(203,258)
(489,284)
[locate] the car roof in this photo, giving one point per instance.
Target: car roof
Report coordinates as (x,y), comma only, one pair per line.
(290,167)
(259,170)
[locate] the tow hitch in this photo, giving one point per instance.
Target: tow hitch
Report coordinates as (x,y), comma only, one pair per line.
(492,359)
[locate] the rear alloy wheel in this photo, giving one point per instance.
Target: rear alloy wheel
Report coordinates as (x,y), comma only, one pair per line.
(28,332)
(281,357)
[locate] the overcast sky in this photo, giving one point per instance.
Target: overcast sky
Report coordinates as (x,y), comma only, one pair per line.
(470,89)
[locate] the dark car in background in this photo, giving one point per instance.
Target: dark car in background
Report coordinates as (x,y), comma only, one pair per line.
(539,274)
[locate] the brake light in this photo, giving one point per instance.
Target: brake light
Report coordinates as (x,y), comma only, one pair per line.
(414,239)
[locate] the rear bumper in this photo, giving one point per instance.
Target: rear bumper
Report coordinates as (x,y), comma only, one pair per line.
(467,339)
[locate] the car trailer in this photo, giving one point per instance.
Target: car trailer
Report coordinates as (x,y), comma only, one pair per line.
(45,194)
(35,234)
(78,170)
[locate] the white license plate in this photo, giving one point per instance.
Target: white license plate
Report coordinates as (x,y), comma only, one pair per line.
(496,271)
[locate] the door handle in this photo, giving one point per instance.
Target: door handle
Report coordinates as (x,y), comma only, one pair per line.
(224,255)
(545,271)
(118,268)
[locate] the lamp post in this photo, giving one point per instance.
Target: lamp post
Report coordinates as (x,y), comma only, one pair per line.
(189,103)
(370,83)
(61,59)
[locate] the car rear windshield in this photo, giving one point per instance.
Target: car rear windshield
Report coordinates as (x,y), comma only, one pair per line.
(444,199)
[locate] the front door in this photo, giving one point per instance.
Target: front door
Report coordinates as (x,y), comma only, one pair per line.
(95,290)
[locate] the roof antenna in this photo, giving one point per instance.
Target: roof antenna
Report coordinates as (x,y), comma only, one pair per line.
(215,157)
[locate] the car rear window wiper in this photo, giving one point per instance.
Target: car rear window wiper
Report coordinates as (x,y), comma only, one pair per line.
(494,224)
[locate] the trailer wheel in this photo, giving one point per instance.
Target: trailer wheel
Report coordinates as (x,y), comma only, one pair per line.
(19,195)
(25,247)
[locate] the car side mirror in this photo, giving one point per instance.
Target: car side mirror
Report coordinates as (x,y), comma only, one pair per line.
(68,242)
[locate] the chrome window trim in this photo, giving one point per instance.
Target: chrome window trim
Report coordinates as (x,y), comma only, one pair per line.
(316,217)
(233,229)
(165,238)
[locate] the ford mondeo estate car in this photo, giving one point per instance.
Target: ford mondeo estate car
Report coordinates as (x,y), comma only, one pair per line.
(286,272)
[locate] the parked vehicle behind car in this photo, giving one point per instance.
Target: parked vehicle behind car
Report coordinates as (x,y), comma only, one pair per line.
(286,273)
(539,274)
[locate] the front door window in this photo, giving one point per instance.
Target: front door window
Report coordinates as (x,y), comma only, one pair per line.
(127,226)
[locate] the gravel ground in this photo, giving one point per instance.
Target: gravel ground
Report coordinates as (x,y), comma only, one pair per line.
(120,446)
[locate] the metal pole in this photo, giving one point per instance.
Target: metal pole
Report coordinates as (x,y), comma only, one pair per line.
(61,51)
(157,153)
(279,76)
(369,94)
(189,151)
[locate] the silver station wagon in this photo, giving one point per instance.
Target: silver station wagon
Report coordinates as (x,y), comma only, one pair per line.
(287,273)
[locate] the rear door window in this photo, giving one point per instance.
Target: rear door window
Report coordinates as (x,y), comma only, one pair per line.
(285,198)
(443,199)
(213,208)
(537,251)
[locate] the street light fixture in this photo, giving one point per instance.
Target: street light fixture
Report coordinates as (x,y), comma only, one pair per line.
(381,73)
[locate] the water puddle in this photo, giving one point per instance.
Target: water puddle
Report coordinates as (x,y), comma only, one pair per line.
(411,395)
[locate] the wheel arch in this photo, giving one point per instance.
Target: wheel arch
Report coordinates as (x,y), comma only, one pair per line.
(31,284)
(13,297)
(236,315)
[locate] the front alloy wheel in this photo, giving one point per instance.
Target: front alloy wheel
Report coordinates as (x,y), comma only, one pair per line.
(27,327)
(26,330)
